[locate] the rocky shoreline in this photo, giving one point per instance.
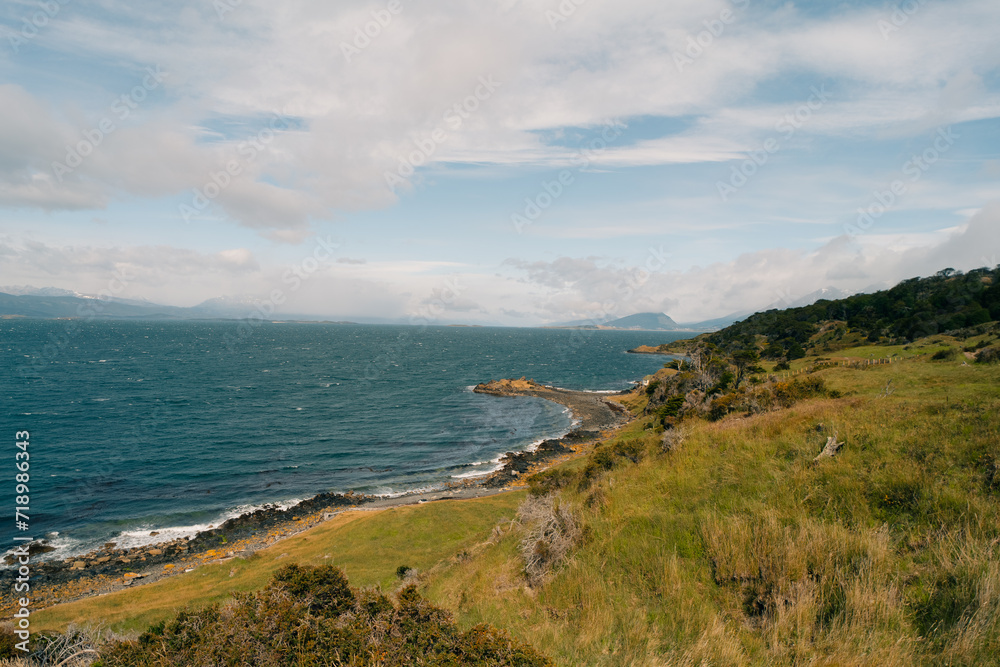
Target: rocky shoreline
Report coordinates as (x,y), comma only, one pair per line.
(593,410)
(110,568)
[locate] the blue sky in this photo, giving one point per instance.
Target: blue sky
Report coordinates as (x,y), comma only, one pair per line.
(518,162)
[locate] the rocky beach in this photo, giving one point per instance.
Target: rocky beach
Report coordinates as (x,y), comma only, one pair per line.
(111,568)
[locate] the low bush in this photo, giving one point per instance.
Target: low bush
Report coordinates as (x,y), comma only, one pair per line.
(551,532)
(286,624)
(325,587)
(607,456)
(549,480)
(672,440)
(989,355)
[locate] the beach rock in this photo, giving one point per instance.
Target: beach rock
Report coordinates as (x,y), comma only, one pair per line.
(516,464)
(34,549)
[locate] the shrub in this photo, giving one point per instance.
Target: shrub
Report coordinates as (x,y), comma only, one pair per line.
(722,406)
(990,355)
(946,354)
(672,440)
(402,571)
(633,450)
(549,480)
(551,531)
(7,642)
(275,627)
(603,458)
(671,407)
(325,587)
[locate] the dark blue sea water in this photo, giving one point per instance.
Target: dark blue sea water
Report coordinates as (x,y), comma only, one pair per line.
(140,426)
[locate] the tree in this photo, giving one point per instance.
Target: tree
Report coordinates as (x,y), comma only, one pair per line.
(745,361)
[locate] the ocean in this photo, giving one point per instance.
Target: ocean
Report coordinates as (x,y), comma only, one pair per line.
(140,426)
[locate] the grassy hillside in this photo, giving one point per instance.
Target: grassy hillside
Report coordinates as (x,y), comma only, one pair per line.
(737,547)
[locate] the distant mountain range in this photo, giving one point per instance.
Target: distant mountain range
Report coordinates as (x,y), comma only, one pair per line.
(663,322)
(52,302)
(653,322)
(645,321)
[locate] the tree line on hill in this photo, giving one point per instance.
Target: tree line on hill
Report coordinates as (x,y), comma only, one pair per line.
(947,301)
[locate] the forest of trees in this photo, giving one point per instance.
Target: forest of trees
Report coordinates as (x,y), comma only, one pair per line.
(947,301)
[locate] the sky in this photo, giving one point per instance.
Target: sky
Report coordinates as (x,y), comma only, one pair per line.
(513,162)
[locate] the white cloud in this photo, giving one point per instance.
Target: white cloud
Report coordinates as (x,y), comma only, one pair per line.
(589,288)
(522,292)
(607,60)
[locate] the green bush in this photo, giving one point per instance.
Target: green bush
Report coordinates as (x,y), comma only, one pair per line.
(946,354)
(670,408)
(605,457)
(990,355)
(277,626)
(549,480)
(325,587)
(633,450)
(7,642)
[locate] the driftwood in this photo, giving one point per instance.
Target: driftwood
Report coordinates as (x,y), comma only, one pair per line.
(830,449)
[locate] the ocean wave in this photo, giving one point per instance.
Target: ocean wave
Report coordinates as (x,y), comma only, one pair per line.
(478,473)
(142,537)
(398,494)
